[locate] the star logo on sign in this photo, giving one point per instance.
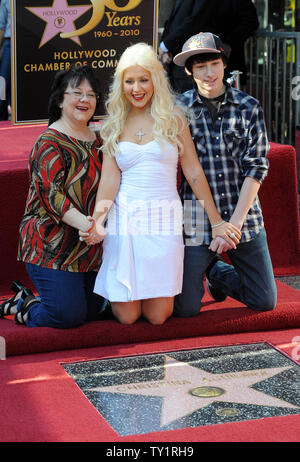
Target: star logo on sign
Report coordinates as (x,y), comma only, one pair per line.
(186,389)
(59,17)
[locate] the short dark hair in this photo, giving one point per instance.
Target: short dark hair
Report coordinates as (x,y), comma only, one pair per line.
(73,76)
(203,57)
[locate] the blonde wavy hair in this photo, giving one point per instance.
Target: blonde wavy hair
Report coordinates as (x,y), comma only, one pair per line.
(168,119)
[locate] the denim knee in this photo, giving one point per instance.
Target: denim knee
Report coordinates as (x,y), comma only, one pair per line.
(265,303)
(70,316)
(63,299)
(186,307)
(59,317)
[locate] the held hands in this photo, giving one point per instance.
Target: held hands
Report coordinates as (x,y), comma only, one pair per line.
(226,236)
(93,235)
(219,245)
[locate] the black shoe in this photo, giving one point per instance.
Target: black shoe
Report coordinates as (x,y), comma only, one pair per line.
(17,286)
(107,313)
(10,306)
(20,316)
(216,294)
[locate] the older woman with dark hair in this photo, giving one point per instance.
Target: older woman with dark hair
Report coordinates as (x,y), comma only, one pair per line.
(64,166)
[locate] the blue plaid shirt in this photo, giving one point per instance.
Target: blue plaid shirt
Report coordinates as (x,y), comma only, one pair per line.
(229,150)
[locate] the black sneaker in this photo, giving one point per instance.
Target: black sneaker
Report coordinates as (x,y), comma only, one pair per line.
(216,294)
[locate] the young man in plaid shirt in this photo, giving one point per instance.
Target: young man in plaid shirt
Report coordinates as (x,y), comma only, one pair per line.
(229,133)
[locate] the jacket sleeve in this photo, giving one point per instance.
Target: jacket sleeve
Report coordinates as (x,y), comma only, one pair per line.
(193,17)
(246,22)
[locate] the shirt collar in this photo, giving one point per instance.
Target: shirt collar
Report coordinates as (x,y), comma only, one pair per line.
(232,95)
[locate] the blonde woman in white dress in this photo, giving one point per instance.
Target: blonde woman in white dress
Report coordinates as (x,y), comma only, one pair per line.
(144,136)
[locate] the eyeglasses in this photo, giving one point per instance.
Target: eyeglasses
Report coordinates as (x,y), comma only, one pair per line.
(79,95)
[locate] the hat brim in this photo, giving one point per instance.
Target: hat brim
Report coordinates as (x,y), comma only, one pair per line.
(181,58)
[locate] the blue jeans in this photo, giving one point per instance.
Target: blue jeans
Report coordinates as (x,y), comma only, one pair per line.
(249,279)
(66,299)
(5,72)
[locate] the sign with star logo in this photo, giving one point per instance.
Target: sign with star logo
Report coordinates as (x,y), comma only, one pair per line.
(192,388)
(51,35)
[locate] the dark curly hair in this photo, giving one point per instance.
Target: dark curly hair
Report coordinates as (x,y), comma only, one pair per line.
(73,76)
(203,57)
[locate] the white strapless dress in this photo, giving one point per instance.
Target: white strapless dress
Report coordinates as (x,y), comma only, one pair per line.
(143,248)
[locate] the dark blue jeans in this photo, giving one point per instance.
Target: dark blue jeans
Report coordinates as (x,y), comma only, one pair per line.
(66,299)
(249,279)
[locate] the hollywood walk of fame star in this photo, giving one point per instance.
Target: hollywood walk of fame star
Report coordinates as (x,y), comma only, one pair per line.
(186,388)
(59,17)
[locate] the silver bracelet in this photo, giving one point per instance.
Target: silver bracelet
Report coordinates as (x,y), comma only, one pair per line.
(218,224)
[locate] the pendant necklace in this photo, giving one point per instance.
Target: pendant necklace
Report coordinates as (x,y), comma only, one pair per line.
(140,134)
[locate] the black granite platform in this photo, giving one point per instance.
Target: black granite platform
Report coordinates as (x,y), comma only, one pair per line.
(174,390)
